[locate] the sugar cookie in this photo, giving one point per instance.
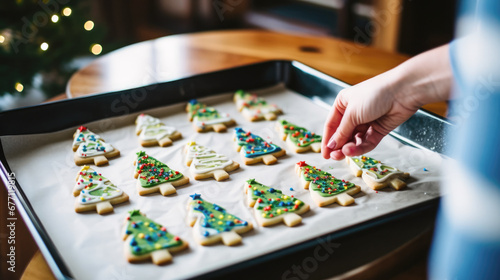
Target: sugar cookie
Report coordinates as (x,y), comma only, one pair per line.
(375,174)
(96,192)
(155,176)
(146,240)
(324,188)
(91,148)
(298,138)
(255,108)
(271,206)
(254,149)
(206,163)
(211,223)
(152,131)
(207,118)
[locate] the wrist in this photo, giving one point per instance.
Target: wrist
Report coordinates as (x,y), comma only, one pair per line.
(423,79)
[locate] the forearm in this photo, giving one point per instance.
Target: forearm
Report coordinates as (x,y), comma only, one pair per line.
(423,79)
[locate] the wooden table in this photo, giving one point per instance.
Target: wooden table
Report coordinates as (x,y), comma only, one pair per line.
(179,56)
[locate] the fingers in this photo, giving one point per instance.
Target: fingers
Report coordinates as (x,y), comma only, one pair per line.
(363,144)
(343,133)
(337,155)
(332,122)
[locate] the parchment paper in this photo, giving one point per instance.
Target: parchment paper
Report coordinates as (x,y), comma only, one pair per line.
(92,246)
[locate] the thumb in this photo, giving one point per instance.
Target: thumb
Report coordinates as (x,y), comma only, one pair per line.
(344,131)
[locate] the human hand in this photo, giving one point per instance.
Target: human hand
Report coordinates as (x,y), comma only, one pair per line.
(363,114)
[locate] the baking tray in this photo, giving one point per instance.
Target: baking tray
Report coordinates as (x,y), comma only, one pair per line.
(424,130)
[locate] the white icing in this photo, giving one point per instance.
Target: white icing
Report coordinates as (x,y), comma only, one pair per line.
(206,160)
(152,128)
(260,110)
(101,185)
(199,230)
(223,118)
(82,137)
(390,170)
(90,144)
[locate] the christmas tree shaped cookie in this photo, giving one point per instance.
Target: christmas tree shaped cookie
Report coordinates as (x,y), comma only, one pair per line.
(255,108)
(155,176)
(145,240)
(206,118)
(96,192)
(91,148)
(211,223)
(375,174)
(254,149)
(152,132)
(272,206)
(324,188)
(206,163)
(298,138)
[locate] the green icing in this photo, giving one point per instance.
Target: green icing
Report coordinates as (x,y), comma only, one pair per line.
(96,187)
(299,136)
(148,236)
(153,172)
(374,166)
(272,202)
(323,182)
(206,114)
(194,106)
(202,112)
(214,217)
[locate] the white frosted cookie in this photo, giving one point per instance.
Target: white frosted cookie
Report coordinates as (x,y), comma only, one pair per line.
(324,188)
(255,108)
(375,174)
(96,192)
(254,149)
(211,223)
(155,176)
(298,138)
(152,131)
(271,206)
(206,118)
(146,240)
(206,163)
(91,148)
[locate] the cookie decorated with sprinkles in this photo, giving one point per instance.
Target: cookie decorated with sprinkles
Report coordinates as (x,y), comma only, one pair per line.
(254,149)
(206,118)
(271,206)
(147,240)
(91,148)
(152,131)
(212,224)
(96,192)
(298,138)
(324,188)
(376,174)
(155,176)
(255,108)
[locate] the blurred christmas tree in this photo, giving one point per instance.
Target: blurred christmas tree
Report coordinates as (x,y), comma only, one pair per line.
(43,37)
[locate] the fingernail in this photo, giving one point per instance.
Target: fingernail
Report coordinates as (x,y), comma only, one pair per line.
(331,143)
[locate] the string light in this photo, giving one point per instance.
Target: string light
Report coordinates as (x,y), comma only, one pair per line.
(2,39)
(96,49)
(66,12)
(44,46)
(19,87)
(89,25)
(54,18)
